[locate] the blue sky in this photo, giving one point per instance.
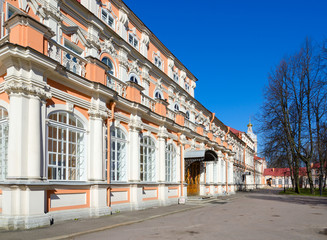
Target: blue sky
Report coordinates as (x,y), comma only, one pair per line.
(232,45)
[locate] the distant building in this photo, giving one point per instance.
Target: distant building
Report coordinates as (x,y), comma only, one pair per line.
(277,177)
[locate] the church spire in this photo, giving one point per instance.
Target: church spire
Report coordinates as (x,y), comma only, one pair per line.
(250,126)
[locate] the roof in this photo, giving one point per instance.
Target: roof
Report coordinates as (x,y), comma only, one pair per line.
(279,172)
(235,131)
(258,158)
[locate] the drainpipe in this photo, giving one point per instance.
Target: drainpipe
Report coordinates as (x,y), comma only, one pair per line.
(109,120)
(181,163)
(213,117)
(226,167)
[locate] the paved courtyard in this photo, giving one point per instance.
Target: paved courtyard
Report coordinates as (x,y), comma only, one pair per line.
(256,215)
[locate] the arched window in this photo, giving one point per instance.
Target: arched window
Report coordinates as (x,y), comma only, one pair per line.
(133,78)
(110,72)
(158,94)
(187,115)
(3,143)
(117,154)
(170,157)
(176,107)
(147,160)
(66,147)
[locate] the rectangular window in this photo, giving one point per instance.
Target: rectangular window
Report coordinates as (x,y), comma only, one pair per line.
(158,62)
(107,18)
(280,181)
(175,76)
(133,41)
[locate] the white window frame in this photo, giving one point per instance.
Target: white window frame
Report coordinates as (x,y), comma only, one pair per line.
(57,126)
(133,40)
(147,159)
(109,16)
(187,87)
(4,127)
(109,73)
(118,159)
(176,77)
(170,163)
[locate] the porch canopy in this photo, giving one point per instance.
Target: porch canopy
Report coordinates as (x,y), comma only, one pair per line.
(201,155)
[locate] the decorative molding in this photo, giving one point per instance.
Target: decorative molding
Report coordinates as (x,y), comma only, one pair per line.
(27,88)
(135,123)
(108,46)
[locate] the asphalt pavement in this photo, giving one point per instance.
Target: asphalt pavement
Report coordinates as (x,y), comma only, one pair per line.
(260,215)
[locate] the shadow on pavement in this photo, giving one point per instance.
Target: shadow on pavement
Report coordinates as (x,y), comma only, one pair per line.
(272,195)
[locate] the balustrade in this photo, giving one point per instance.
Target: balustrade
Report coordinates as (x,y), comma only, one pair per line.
(148,102)
(67,58)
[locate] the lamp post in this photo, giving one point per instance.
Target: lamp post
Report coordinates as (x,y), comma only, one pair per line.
(284,182)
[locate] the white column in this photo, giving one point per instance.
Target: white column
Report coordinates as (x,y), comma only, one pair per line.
(95,159)
(25,135)
(135,126)
(34,138)
(161,170)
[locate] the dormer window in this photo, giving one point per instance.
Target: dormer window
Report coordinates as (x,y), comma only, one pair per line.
(187,115)
(187,87)
(158,62)
(175,77)
(108,18)
(132,39)
(158,95)
(133,78)
(176,107)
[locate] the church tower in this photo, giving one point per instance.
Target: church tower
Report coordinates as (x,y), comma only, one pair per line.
(252,136)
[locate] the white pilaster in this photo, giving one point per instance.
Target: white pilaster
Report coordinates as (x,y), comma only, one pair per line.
(135,126)
(162,136)
(25,135)
(95,159)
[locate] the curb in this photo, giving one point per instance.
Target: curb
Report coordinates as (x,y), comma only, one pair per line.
(119,224)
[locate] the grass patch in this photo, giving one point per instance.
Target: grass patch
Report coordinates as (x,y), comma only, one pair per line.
(304,192)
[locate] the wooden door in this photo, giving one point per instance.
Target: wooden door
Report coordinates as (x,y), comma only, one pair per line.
(193,179)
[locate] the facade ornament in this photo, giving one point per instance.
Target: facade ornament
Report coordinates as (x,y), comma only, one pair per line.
(183,74)
(145,39)
(134,67)
(171,63)
(69,107)
(123,61)
(46,10)
(95,112)
(123,18)
(108,46)
(27,88)
(163,133)
(135,123)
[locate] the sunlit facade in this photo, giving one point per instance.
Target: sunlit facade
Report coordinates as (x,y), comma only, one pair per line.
(98,116)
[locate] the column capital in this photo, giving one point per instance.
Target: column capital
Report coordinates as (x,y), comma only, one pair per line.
(27,88)
(97,114)
(163,133)
(135,123)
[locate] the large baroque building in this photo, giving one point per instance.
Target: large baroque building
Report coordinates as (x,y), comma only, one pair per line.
(97,115)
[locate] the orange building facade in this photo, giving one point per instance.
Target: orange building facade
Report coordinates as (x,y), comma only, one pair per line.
(97,115)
